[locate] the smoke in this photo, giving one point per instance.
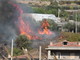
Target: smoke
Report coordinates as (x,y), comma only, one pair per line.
(7,27)
(11,13)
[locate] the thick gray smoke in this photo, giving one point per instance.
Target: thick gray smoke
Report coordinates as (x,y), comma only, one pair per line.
(7,27)
(34,27)
(9,13)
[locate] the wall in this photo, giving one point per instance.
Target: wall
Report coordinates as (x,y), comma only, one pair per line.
(64,54)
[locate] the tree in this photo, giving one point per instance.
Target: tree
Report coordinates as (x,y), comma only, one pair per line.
(64,14)
(70,36)
(52,25)
(23,41)
(17,52)
(39,10)
(50,9)
(71,27)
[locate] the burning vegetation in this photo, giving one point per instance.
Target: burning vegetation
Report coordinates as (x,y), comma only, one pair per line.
(13,21)
(44,27)
(25,29)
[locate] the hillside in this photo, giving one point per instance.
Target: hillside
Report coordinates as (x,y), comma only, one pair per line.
(69,36)
(34,2)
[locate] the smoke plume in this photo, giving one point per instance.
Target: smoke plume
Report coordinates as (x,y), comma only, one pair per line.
(15,20)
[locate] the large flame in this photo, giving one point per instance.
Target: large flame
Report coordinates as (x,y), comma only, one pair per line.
(45,26)
(23,26)
(25,29)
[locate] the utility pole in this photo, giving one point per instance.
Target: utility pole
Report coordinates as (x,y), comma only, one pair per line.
(76,24)
(12,50)
(39,52)
(58,8)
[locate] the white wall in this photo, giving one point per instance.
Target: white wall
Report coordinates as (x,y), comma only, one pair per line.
(39,17)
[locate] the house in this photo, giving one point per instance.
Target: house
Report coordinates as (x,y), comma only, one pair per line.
(40,17)
(64,50)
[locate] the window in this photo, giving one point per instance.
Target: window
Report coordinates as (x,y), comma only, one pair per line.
(58,54)
(64,43)
(72,55)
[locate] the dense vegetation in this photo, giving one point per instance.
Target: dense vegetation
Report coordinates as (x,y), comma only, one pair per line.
(46,9)
(70,36)
(71,27)
(52,25)
(54,8)
(22,42)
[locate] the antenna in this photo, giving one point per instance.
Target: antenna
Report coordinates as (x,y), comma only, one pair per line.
(12,50)
(40,53)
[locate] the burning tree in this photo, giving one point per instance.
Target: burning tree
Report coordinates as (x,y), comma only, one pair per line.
(44,27)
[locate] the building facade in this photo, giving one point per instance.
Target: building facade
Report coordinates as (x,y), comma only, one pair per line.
(64,50)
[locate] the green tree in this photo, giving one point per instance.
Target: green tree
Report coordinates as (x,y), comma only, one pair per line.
(70,27)
(53,26)
(23,41)
(39,10)
(17,52)
(64,14)
(71,36)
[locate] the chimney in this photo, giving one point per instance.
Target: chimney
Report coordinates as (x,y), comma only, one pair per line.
(51,43)
(78,43)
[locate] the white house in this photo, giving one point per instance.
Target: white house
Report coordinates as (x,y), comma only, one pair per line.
(64,50)
(39,17)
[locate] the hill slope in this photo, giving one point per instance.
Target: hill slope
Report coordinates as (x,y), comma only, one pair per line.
(69,36)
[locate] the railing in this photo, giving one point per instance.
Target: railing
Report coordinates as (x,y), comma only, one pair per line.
(68,0)
(63,48)
(64,59)
(68,59)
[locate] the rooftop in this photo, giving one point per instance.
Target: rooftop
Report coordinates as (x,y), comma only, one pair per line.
(64,45)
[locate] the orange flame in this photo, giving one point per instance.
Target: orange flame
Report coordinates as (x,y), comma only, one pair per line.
(45,26)
(24,28)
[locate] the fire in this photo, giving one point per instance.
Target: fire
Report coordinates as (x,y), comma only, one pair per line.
(45,26)
(25,28)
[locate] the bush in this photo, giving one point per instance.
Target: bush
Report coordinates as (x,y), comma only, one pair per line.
(17,52)
(70,36)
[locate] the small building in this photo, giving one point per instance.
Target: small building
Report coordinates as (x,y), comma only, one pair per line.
(40,17)
(64,50)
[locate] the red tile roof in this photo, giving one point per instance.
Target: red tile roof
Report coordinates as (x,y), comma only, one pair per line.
(69,44)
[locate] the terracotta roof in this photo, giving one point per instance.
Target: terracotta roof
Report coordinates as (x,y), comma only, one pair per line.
(61,44)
